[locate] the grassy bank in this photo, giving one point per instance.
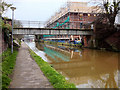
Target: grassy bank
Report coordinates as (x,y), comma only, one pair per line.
(56,79)
(8,63)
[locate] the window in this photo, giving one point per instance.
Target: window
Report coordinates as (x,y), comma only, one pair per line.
(81,24)
(88,15)
(94,15)
(81,15)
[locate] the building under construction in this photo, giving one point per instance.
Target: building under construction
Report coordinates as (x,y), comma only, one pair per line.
(74,15)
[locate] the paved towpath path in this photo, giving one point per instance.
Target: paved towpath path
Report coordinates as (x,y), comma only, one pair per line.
(27,73)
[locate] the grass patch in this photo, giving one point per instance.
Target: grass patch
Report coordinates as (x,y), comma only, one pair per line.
(56,79)
(8,63)
(5,54)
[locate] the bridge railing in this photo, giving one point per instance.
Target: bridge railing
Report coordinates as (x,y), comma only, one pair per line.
(28,24)
(56,25)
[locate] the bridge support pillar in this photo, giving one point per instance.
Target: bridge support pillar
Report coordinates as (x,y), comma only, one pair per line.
(93,42)
(89,41)
(85,41)
(36,38)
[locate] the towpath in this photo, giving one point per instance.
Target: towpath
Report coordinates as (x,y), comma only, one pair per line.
(27,73)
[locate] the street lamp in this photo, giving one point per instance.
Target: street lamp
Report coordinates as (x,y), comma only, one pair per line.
(12,8)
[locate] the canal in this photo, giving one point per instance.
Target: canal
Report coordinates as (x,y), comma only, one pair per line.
(86,68)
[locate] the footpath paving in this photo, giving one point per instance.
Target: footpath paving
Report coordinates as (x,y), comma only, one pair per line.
(27,73)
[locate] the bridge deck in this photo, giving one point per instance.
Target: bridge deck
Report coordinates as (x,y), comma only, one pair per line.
(51,31)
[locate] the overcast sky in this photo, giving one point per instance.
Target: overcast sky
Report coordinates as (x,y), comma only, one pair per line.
(35,10)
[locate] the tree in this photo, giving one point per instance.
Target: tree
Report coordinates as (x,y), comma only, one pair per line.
(4,6)
(107,9)
(104,25)
(112,10)
(6,28)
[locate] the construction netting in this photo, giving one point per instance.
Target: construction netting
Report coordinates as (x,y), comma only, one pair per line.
(60,24)
(66,21)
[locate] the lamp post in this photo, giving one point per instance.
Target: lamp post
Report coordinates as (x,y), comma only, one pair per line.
(12,8)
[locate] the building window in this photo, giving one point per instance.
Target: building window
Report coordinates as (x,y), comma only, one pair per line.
(88,15)
(68,25)
(81,24)
(81,15)
(72,26)
(94,15)
(64,26)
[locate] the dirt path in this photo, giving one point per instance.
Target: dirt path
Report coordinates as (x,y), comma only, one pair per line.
(27,73)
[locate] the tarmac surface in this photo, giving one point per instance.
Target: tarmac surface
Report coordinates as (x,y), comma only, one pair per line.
(27,73)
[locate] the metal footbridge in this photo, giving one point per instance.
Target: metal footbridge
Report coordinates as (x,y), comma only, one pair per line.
(36,28)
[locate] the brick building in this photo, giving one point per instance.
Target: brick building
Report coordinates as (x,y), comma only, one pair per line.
(74,15)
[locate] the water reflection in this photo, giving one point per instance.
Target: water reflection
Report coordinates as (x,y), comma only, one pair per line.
(86,68)
(37,51)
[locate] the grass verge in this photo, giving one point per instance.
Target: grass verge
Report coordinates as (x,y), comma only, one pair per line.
(56,79)
(8,63)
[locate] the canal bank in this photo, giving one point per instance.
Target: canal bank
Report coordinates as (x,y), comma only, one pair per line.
(85,68)
(56,79)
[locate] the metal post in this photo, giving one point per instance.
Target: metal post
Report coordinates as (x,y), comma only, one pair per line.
(29,24)
(13,8)
(12,31)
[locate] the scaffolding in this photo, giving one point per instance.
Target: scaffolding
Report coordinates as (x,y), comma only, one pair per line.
(74,7)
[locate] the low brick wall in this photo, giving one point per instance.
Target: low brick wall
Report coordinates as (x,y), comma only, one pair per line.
(114,41)
(3,45)
(0,41)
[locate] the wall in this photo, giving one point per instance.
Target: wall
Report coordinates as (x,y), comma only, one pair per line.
(3,45)
(0,40)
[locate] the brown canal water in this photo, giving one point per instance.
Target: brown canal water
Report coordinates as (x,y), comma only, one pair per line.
(86,68)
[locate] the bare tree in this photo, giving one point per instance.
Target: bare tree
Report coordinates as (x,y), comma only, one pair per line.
(104,24)
(112,9)
(108,9)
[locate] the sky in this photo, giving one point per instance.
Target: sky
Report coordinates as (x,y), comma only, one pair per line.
(35,10)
